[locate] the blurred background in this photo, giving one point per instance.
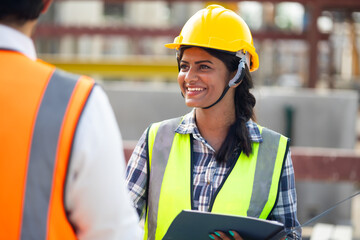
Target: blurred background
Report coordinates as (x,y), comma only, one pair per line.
(307,85)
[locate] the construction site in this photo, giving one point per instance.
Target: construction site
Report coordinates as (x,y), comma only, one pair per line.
(307,85)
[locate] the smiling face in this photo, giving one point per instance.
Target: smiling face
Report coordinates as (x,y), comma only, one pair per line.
(202,77)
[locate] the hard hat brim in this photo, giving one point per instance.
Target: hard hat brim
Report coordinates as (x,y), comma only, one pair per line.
(172,45)
(254,57)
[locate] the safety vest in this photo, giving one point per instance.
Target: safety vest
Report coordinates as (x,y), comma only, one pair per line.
(250,189)
(40,108)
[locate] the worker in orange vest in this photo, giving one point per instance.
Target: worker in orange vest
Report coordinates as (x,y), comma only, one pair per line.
(61,161)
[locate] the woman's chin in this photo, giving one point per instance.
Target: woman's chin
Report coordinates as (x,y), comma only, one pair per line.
(191,104)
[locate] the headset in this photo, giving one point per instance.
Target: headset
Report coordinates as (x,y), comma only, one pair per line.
(240,72)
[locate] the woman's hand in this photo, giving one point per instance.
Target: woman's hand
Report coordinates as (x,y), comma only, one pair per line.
(218,235)
(231,235)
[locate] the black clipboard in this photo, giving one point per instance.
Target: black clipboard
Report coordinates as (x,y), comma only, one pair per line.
(190,224)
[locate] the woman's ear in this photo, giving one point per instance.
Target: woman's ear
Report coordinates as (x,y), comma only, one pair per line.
(236,78)
(235,84)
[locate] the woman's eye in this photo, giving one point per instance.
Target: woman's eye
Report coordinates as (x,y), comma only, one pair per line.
(183,67)
(204,67)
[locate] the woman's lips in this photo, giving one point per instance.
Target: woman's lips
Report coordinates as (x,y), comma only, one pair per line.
(194,90)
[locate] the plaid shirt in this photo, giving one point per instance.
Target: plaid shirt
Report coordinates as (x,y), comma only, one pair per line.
(208,175)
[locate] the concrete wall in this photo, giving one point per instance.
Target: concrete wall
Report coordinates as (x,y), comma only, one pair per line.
(320,118)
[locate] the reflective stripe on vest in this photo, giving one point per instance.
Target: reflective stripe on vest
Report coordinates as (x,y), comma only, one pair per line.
(43,155)
(159,151)
(44,105)
(252,183)
(257,179)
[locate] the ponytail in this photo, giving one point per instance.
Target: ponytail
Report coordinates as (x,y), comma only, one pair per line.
(238,137)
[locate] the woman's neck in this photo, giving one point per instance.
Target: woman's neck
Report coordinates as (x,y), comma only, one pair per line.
(210,119)
(214,124)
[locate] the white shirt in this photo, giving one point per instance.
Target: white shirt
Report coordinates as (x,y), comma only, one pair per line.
(96,196)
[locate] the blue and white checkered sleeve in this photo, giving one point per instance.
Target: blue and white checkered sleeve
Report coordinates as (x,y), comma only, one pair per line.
(136,175)
(285,210)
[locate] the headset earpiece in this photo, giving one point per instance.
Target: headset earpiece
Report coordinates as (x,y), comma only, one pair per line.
(239,74)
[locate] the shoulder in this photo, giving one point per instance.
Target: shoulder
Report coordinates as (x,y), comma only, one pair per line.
(172,122)
(264,130)
(82,80)
(26,64)
(269,135)
(61,74)
(163,128)
(98,107)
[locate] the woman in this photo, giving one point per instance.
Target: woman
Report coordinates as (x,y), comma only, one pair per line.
(215,158)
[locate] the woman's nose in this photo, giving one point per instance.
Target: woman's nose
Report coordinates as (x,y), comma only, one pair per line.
(191,75)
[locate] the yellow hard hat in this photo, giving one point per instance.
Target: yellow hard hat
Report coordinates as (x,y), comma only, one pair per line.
(218,28)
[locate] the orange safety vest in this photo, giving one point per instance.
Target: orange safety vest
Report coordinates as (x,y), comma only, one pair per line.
(40,108)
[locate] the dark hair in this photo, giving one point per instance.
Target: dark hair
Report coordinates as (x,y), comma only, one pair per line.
(20,10)
(238,136)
